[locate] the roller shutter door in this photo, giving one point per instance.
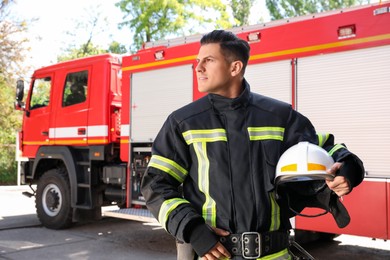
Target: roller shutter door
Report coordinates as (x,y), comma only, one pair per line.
(154,95)
(348,94)
(271,79)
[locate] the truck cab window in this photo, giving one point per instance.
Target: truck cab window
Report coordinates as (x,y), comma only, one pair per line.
(40,93)
(75,89)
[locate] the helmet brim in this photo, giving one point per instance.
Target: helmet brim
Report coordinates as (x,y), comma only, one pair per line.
(303,177)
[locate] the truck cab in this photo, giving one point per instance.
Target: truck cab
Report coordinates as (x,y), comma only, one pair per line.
(71,122)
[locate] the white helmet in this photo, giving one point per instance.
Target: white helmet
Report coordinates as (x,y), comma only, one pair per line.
(300,182)
(303,162)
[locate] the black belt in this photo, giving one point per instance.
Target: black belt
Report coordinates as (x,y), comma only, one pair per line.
(252,245)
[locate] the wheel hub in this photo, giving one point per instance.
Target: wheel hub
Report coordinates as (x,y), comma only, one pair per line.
(52,199)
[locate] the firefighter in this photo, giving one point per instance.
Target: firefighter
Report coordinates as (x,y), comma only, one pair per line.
(210,179)
(77,94)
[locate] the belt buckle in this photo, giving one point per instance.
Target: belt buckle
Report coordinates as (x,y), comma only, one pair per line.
(246,244)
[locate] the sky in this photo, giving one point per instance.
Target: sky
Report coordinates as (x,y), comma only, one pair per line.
(48,35)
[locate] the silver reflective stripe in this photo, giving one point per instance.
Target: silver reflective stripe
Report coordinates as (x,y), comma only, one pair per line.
(209,207)
(266,133)
(205,135)
(199,140)
(166,208)
(168,166)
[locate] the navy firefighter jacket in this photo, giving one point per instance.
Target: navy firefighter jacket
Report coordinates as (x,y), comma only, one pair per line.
(213,165)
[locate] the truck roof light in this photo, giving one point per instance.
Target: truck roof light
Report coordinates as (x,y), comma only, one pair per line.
(159,55)
(347,31)
(254,37)
(382,10)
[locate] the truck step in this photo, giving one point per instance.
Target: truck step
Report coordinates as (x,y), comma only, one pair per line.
(139,214)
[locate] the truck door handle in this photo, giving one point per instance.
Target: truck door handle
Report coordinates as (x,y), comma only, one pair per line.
(81,131)
(45,133)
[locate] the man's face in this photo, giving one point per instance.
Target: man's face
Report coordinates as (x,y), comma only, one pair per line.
(213,71)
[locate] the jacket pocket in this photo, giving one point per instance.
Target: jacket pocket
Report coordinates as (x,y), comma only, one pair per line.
(271,154)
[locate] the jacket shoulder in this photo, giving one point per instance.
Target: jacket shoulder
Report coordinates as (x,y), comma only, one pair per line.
(192,109)
(269,104)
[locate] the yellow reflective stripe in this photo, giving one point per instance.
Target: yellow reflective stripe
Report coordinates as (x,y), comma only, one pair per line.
(209,211)
(316,167)
(206,135)
(281,255)
(168,166)
(289,168)
(199,139)
(335,148)
(266,133)
(322,138)
(275,213)
(166,208)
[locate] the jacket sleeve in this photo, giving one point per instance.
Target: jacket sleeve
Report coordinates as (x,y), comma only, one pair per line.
(161,188)
(352,168)
(299,128)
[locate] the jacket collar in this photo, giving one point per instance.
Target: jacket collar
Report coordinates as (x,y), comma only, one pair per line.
(221,103)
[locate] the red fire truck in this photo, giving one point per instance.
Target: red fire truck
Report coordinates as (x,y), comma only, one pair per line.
(89,124)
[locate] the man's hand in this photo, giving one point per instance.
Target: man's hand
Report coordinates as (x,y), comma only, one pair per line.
(218,251)
(339,184)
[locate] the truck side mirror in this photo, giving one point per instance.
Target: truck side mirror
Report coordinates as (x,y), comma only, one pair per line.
(19,105)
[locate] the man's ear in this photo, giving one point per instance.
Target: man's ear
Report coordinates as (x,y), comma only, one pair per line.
(236,67)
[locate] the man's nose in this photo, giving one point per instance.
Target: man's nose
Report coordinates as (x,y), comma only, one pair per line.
(199,66)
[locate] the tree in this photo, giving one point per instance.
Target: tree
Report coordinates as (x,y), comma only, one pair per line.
(13,48)
(91,27)
(241,11)
(116,47)
(12,43)
(155,19)
(84,50)
(280,9)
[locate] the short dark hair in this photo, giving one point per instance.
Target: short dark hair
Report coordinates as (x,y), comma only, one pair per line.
(232,47)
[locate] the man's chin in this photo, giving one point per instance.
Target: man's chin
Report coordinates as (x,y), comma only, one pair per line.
(202,89)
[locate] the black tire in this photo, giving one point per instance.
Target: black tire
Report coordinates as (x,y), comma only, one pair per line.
(52,199)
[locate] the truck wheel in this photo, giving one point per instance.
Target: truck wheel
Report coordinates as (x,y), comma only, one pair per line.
(53,199)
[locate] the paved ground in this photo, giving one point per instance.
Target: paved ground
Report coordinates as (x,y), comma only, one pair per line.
(23,237)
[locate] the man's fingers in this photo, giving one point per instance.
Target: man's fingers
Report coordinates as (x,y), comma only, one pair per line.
(335,167)
(220,232)
(223,251)
(218,252)
(339,185)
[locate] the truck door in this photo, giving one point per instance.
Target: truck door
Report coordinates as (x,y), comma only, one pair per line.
(70,123)
(37,116)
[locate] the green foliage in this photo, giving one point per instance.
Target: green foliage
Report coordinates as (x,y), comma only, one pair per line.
(9,123)
(88,28)
(12,54)
(155,19)
(241,11)
(84,50)
(116,47)
(280,9)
